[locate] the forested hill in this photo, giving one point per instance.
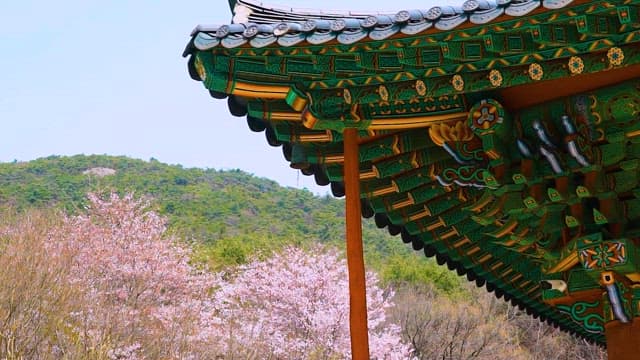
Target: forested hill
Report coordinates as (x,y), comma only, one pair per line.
(229,215)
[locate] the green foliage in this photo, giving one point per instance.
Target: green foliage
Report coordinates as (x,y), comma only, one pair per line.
(412,269)
(229,216)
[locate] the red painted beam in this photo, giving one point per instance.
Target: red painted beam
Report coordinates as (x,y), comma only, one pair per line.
(623,340)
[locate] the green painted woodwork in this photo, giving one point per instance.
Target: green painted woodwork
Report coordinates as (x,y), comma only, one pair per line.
(523,198)
(485,58)
(587,314)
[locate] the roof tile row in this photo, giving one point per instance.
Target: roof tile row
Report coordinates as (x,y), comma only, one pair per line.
(266,26)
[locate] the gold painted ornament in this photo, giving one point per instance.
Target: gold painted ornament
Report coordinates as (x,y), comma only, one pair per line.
(458,82)
(442,133)
(421,88)
(346,95)
(576,65)
(535,71)
(383,92)
(495,77)
(615,56)
(202,72)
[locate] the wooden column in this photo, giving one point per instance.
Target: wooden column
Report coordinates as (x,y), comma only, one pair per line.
(623,340)
(355,259)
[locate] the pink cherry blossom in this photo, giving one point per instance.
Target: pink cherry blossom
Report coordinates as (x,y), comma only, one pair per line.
(296,304)
(146,300)
(140,287)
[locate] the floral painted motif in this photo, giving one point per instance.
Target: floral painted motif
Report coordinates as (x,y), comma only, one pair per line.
(603,255)
(576,65)
(421,88)
(485,115)
(535,71)
(615,56)
(458,82)
(495,77)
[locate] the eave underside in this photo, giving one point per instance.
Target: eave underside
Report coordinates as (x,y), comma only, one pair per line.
(302,97)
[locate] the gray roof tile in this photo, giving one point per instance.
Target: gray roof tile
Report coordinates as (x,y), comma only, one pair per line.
(264,25)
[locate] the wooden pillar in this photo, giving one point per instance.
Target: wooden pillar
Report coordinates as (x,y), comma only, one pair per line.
(355,259)
(623,340)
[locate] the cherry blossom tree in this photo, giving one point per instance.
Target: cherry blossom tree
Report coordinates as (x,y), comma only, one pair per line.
(142,294)
(139,297)
(111,284)
(295,305)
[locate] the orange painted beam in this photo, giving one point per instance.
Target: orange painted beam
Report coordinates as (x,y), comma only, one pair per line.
(355,258)
(623,340)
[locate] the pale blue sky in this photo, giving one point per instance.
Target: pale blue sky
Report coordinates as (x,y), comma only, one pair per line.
(107,77)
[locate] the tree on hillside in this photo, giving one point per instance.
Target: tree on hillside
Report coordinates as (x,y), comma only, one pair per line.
(110,284)
(138,296)
(142,295)
(479,326)
(35,298)
(453,328)
(295,306)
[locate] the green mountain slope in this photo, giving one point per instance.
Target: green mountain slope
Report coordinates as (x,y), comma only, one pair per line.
(228,215)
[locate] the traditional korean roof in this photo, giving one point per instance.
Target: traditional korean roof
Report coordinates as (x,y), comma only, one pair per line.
(261,26)
(499,137)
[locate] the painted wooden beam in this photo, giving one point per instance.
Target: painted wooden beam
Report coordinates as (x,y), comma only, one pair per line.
(623,340)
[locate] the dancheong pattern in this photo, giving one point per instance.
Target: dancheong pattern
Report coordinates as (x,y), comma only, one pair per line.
(603,255)
(503,137)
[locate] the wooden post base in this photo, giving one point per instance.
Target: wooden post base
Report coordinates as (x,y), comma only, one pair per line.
(623,340)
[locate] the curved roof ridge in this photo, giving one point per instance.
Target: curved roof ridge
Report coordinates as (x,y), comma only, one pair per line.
(261,25)
(256,11)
